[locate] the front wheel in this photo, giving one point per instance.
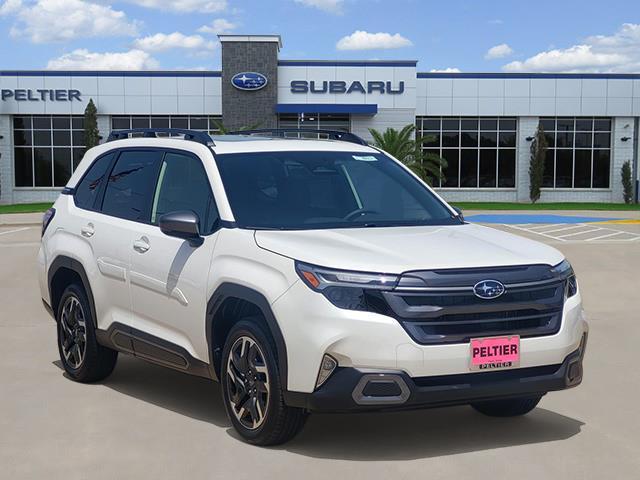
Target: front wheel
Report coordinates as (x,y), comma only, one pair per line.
(252,388)
(512,407)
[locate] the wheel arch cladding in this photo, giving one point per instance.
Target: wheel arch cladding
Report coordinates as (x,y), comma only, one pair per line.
(229,304)
(63,272)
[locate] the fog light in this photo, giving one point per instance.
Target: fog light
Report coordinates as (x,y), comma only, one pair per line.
(327,367)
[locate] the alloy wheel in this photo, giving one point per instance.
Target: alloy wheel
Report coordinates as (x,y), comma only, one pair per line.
(248,382)
(73,332)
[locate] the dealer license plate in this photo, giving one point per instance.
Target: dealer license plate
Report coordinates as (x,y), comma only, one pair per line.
(495,353)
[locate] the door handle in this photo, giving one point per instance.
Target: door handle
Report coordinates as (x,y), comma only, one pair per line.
(141,245)
(87,230)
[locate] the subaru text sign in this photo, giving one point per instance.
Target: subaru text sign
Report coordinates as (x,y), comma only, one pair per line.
(249,81)
(339,86)
(40,95)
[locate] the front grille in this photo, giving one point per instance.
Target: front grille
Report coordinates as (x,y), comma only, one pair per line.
(451,313)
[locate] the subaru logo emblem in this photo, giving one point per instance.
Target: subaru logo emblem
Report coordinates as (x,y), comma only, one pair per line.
(488,289)
(249,81)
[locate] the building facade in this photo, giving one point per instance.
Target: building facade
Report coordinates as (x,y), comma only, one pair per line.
(482,124)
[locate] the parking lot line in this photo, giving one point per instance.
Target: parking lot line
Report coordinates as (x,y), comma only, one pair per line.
(532,231)
(580,225)
(585,232)
(580,233)
(606,236)
(15,231)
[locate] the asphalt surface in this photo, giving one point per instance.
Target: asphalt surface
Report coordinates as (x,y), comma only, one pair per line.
(149,422)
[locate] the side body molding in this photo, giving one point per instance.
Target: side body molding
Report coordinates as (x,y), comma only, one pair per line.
(231,290)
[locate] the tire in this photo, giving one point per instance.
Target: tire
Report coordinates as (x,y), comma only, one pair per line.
(261,418)
(82,357)
(513,407)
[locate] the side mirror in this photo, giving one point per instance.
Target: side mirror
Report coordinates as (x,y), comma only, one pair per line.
(460,214)
(182,224)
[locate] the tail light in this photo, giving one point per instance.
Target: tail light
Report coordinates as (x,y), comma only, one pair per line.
(46,219)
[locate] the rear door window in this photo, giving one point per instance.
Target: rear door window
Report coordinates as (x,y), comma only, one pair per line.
(130,188)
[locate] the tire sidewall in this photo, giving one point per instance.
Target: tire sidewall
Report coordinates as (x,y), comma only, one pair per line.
(252,330)
(78,293)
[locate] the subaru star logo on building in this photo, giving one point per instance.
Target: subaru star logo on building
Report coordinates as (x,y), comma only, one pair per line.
(488,289)
(249,81)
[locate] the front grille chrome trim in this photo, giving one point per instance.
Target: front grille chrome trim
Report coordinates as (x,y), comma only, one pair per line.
(470,289)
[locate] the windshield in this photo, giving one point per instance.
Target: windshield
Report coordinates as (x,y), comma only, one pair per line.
(310,190)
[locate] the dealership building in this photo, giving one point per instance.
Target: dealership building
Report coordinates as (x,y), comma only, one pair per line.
(481,123)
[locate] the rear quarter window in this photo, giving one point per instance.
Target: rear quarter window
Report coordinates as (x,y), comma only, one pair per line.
(89,187)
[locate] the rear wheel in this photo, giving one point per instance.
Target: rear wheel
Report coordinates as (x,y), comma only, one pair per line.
(252,388)
(82,357)
(512,407)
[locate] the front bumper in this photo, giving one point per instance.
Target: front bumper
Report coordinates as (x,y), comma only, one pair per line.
(312,327)
(353,389)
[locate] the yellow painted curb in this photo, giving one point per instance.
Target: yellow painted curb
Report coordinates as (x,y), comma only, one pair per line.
(630,221)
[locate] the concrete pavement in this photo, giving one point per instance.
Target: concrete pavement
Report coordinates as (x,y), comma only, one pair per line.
(148,422)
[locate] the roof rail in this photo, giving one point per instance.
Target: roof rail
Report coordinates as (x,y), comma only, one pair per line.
(191,135)
(281,132)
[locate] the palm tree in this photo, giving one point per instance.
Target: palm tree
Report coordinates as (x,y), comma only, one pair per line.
(401,145)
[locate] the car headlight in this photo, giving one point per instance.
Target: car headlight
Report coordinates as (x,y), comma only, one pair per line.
(343,288)
(564,269)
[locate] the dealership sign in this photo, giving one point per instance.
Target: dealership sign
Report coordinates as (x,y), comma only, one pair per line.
(40,95)
(249,81)
(338,86)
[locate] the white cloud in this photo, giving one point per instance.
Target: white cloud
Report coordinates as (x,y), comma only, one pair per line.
(83,59)
(184,6)
(10,6)
(499,51)
(331,6)
(495,21)
(619,52)
(161,42)
(445,70)
(62,20)
(361,40)
(219,26)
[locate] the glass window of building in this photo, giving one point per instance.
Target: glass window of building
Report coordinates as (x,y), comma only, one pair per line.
(203,123)
(47,148)
(315,121)
(579,154)
(480,151)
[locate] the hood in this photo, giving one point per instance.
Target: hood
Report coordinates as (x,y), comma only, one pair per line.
(400,249)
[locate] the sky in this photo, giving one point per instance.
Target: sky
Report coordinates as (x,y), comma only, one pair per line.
(451,35)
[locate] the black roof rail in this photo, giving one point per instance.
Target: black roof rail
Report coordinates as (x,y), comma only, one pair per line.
(191,135)
(281,133)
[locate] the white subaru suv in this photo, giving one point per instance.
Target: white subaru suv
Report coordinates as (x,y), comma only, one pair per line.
(305,275)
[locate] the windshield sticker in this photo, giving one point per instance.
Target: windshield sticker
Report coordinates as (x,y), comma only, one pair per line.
(365,158)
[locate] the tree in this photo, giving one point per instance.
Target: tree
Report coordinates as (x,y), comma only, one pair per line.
(627,182)
(223,130)
(401,145)
(91,133)
(536,167)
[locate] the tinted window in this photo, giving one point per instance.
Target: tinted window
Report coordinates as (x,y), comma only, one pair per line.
(183,185)
(88,188)
(131,185)
(306,190)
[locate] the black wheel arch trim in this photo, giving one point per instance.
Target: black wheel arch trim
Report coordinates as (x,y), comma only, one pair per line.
(63,261)
(233,290)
